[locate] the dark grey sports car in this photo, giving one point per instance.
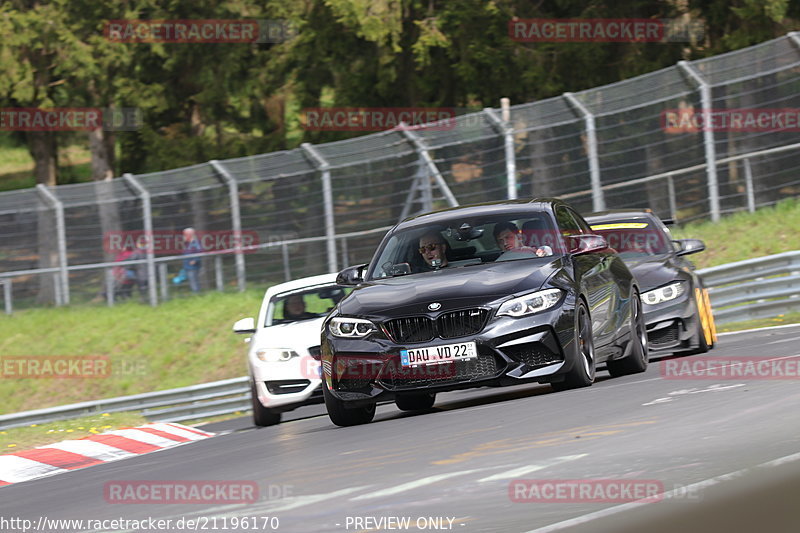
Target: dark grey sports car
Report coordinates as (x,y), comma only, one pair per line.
(485,295)
(676,305)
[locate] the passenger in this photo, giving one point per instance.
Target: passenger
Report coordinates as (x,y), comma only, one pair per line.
(508,238)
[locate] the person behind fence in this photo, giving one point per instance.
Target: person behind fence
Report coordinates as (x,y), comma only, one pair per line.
(138,273)
(509,238)
(192,264)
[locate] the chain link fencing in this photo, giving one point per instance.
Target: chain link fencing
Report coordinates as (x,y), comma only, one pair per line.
(318,208)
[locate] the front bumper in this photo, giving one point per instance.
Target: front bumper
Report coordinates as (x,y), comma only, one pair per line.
(672,326)
(286,385)
(510,351)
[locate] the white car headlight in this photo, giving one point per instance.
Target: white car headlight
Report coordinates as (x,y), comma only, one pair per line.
(663,294)
(275,355)
(351,327)
(530,303)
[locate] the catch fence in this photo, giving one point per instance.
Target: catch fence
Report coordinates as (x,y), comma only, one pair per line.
(318,208)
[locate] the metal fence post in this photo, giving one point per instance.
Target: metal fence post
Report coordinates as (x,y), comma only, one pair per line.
(673,208)
(708,138)
(218,273)
(109,282)
(7,296)
(598,198)
(503,126)
(425,155)
(327,195)
(162,274)
(287,272)
(58,207)
(345,260)
(748,184)
(236,220)
(147,219)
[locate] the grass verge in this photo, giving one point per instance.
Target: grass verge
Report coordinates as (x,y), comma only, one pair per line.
(770,230)
(180,343)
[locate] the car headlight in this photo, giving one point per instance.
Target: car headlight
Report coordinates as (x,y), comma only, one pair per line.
(275,355)
(663,294)
(351,327)
(530,303)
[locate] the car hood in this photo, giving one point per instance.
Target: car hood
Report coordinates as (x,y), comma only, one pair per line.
(297,336)
(456,288)
(654,271)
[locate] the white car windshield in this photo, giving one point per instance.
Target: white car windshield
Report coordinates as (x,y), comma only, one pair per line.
(304,304)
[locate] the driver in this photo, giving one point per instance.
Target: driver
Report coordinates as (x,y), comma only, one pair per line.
(294,308)
(433,249)
(509,238)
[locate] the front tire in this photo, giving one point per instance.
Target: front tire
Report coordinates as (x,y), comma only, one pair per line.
(262,416)
(343,416)
(639,357)
(583,368)
(415,402)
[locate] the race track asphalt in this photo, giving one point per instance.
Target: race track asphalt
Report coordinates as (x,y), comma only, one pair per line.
(454,467)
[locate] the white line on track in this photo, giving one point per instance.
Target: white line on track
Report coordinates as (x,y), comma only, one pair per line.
(682,490)
(756,330)
(528,469)
(413,485)
(300,501)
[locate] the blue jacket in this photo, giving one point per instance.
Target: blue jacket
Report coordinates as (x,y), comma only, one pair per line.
(192,248)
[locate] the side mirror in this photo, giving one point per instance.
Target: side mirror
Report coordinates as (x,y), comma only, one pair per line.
(689,246)
(586,243)
(351,276)
(245,325)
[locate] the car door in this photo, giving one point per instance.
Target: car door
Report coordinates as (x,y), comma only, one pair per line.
(592,272)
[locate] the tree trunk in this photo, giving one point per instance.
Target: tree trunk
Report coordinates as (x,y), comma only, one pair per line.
(102,174)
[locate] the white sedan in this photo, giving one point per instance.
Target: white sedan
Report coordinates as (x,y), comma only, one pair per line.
(283,357)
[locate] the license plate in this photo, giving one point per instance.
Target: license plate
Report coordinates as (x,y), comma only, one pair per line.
(436,354)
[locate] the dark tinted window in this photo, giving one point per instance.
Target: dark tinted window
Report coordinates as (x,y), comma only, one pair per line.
(567,223)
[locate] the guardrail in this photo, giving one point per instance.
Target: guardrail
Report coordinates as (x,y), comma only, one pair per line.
(173,405)
(754,288)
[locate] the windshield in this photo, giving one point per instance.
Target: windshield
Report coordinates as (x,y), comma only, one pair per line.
(464,242)
(304,304)
(633,238)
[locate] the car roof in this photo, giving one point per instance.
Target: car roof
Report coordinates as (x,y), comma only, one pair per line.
(488,208)
(301,283)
